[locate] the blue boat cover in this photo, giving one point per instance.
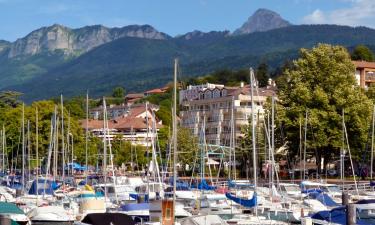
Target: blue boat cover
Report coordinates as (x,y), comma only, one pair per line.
(135,206)
(313,190)
(323,198)
(180,185)
(338,215)
(372,183)
(14,182)
(135,196)
(244,202)
(203,186)
(75,166)
(43,187)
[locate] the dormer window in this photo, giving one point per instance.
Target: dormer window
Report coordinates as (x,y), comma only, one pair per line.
(207,95)
(224,92)
(217,93)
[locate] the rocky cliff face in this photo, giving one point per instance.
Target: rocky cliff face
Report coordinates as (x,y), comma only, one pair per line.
(196,34)
(262,20)
(58,37)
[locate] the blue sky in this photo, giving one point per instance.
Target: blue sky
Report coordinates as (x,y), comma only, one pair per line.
(19,17)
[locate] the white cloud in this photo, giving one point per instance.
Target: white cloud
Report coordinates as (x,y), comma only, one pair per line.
(359,13)
(316,17)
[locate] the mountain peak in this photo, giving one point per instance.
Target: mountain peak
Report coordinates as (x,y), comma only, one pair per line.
(262,20)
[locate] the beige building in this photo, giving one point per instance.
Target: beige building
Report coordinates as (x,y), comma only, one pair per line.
(364,73)
(213,104)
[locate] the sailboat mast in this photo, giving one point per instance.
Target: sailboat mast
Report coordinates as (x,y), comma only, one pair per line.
(304,148)
(36,150)
(87,134)
(174,134)
(342,155)
(273,136)
(372,143)
(3,136)
(28,150)
(62,140)
(23,146)
(253,133)
(105,148)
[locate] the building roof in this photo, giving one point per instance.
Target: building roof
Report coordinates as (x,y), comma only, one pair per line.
(245,90)
(155,91)
(126,123)
(364,64)
(134,95)
(95,124)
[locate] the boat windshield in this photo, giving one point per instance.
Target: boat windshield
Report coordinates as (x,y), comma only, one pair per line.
(331,189)
(292,188)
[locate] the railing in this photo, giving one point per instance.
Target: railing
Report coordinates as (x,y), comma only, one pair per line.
(361,187)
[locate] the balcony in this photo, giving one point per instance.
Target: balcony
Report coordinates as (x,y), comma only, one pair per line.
(370,76)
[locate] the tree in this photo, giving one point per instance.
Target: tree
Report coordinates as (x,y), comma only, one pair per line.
(322,84)
(262,75)
(9,98)
(187,146)
(118,92)
(363,53)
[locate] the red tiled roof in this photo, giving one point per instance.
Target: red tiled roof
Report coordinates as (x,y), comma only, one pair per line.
(134,95)
(155,91)
(364,64)
(95,124)
(126,123)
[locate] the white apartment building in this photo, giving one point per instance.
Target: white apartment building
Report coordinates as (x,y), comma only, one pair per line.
(213,104)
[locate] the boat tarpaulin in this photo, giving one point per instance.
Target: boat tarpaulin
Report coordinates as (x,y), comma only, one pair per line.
(108,219)
(324,199)
(135,207)
(244,202)
(203,185)
(44,187)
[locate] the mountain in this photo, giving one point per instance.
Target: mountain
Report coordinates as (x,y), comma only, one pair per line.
(139,64)
(196,34)
(262,20)
(76,41)
(4,45)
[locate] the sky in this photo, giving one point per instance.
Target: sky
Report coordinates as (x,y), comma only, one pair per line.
(174,17)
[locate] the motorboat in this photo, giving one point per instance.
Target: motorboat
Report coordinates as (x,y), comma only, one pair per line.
(49,215)
(13,212)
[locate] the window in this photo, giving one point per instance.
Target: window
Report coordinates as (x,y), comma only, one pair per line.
(216,93)
(224,92)
(207,95)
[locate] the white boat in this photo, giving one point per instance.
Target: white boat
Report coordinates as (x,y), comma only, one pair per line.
(291,190)
(11,211)
(245,219)
(333,190)
(50,215)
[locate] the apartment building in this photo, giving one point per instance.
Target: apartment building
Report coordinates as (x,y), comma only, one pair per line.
(213,103)
(364,73)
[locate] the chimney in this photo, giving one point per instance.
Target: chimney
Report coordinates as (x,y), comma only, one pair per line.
(241,84)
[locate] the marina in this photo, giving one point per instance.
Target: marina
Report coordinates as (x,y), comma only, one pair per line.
(107,122)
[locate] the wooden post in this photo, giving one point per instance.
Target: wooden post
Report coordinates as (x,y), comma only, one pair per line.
(351,214)
(345,198)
